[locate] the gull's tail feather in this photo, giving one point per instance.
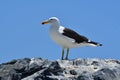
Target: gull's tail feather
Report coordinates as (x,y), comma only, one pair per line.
(94,43)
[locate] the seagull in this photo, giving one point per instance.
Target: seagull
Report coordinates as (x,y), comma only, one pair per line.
(66,37)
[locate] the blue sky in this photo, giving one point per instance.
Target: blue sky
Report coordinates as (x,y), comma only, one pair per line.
(22,35)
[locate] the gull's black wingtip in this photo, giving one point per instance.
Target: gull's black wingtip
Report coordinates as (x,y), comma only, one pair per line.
(95,43)
(100,44)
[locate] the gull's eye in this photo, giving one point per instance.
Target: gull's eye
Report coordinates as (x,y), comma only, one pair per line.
(51,19)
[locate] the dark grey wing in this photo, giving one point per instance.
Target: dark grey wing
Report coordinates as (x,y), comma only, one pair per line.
(72,34)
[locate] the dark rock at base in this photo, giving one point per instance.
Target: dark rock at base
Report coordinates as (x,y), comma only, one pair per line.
(43,69)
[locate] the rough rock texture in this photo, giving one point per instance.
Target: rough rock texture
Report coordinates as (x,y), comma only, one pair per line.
(43,69)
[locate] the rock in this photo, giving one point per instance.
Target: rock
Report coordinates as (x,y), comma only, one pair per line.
(73,72)
(43,69)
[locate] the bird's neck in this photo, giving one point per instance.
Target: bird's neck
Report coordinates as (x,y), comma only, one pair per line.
(55,25)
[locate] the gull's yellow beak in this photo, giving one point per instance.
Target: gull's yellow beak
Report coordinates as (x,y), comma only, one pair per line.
(45,22)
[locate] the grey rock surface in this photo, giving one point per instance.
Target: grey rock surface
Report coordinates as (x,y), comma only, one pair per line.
(43,69)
